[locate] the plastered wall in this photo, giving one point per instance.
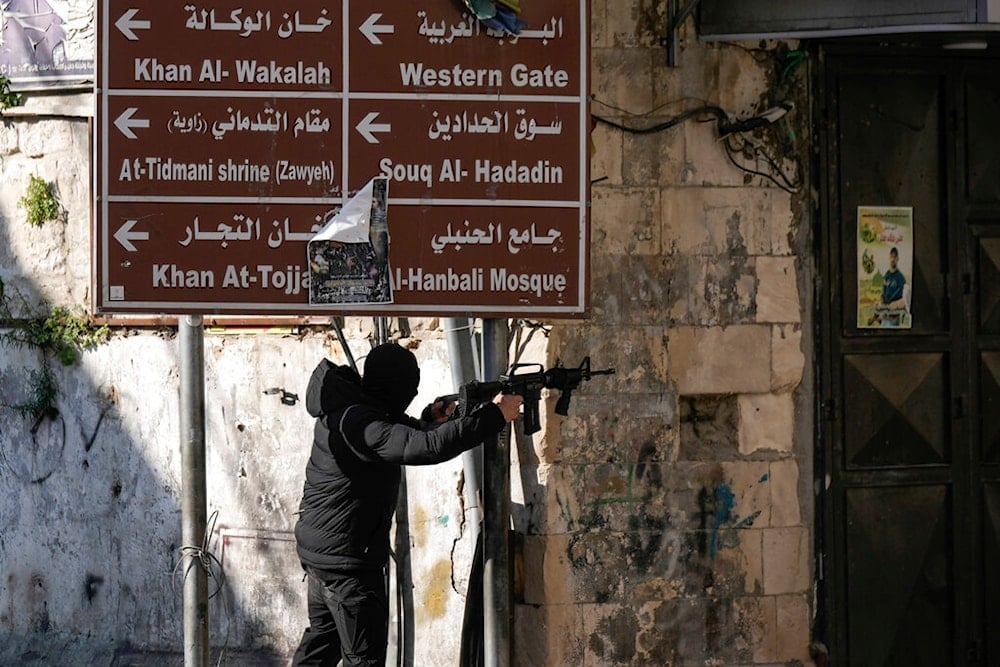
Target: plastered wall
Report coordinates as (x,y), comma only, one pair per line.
(667,520)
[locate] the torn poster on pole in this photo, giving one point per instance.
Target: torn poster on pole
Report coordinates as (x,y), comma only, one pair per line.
(349,256)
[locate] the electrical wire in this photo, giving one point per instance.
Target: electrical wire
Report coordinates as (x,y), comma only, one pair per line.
(636,114)
(782,180)
(519,325)
(203,557)
(728,127)
(718,112)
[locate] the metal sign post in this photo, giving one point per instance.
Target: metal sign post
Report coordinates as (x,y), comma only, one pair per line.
(497,600)
(193,487)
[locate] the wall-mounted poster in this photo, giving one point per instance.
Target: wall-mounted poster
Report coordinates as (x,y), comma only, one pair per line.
(47,43)
(349,256)
(885,266)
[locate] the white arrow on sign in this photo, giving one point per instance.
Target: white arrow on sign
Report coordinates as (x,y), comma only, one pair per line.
(127,25)
(125,235)
(125,122)
(371,30)
(367,126)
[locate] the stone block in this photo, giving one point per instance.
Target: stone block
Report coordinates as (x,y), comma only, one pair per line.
(607,290)
(741,80)
(616,497)
(730,360)
(767,422)
(787,359)
(787,564)
(777,290)
(756,619)
(709,293)
(648,287)
(548,575)
(610,631)
(595,558)
(547,635)
(709,427)
(606,150)
(44,137)
(623,497)
(8,137)
(752,560)
(781,223)
(652,634)
(791,633)
(600,29)
(705,155)
(623,77)
(690,227)
(696,78)
(656,157)
(639,355)
(714,220)
(784,484)
(686,301)
(633,24)
(749,483)
(625,221)
(635,428)
(671,632)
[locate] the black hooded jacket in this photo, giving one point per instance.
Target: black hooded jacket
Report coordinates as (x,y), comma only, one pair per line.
(352,477)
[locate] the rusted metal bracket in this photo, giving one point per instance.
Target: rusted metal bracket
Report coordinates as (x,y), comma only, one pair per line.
(677,16)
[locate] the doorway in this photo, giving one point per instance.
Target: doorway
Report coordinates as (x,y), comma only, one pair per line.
(908,558)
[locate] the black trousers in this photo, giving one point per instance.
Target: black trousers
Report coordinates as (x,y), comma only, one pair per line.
(348,619)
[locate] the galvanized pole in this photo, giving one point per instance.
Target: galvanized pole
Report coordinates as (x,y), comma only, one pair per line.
(496,515)
(462,354)
(193,495)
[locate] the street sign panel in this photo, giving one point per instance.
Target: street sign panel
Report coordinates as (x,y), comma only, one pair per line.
(230,133)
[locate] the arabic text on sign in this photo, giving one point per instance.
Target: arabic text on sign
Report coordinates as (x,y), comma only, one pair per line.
(245,26)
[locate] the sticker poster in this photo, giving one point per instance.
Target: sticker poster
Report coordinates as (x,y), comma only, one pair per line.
(885,267)
(349,256)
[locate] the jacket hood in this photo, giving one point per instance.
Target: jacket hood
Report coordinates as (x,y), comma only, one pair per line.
(331,387)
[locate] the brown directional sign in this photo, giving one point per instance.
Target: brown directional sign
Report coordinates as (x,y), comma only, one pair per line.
(229,134)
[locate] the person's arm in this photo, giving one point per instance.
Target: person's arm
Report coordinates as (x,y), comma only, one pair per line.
(403,444)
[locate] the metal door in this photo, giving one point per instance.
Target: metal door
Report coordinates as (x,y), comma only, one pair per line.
(908,553)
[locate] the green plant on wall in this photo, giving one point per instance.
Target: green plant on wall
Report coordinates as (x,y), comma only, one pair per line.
(61,334)
(40,201)
(41,390)
(8,98)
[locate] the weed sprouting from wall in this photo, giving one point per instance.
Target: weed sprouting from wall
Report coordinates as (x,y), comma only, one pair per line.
(60,334)
(40,201)
(42,392)
(8,98)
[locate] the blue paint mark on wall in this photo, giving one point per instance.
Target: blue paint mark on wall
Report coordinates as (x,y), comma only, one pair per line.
(725,500)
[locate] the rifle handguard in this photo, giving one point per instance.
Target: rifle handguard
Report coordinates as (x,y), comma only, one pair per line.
(529,385)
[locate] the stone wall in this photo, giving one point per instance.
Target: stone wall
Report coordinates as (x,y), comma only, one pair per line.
(669,519)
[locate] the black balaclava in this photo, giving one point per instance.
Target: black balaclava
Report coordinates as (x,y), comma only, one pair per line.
(391,376)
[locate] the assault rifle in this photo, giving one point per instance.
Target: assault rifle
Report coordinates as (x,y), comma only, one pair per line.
(529,384)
